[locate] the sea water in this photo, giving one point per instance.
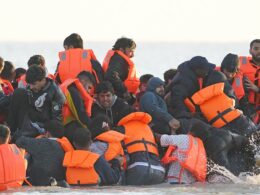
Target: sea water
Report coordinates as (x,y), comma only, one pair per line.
(153,58)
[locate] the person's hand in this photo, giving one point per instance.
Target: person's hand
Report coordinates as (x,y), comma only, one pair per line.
(250,85)
(174,125)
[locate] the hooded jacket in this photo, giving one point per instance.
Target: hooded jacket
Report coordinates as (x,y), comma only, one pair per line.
(152,103)
(185,84)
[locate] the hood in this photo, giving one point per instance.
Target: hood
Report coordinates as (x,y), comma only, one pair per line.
(153,83)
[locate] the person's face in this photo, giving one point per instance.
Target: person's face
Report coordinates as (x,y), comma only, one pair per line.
(255,52)
(105,99)
(160,90)
(37,86)
(229,75)
(129,52)
(88,85)
(143,87)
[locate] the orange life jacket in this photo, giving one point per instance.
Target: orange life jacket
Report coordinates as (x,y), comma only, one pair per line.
(113,138)
(195,160)
(132,82)
(139,136)
(69,111)
(253,73)
(74,61)
(214,104)
(12,166)
(80,167)
(65,144)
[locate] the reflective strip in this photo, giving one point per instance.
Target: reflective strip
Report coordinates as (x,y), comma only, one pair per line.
(244,60)
(145,164)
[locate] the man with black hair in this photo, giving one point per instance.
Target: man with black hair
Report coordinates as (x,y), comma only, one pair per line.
(107,103)
(249,66)
(77,108)
(120,70)
(45,155)
(41,101)
(93,169)
(34,60)
(75,59)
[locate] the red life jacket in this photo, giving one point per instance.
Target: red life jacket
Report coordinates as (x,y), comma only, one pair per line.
(113,138)
(139,136)
(214,104)
(80,167)
(195,160)
(68,111)
(12,166)
(132,82)
(74,61)
(251,71)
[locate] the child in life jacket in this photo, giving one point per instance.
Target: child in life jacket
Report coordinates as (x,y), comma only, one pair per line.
(85,167)
(12,163)
(185,158)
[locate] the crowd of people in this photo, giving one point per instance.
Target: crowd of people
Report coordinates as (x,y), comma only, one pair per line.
(93,124)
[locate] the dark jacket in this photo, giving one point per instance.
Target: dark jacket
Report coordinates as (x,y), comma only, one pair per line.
(108,174)
(45,161)
(79,105)
(37,107)
(185,84)
(117,73)
(118,110)
(153,104)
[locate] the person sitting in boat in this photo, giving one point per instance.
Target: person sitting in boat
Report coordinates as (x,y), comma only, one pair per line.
(200,91)
(84,167)
(143,162)
(30,108)
(12,162)
(120,70)
(109,104)
(106,142)
(45,155)
(153,103)
(77,108)
(75,59)
(185,158)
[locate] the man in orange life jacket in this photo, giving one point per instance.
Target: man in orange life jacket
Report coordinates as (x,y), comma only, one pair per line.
(250,67)
(77,108)
(191,83)
(12,163)
(45,155)
(120,70)
(107,103)
(85,167)
(75,59)
(230,67)
(143,163)
(34,60)
(42,100)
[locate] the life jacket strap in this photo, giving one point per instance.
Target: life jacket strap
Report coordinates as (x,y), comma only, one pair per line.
(221,116)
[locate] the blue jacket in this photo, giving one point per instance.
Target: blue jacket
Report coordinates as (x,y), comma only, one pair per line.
(154,104)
